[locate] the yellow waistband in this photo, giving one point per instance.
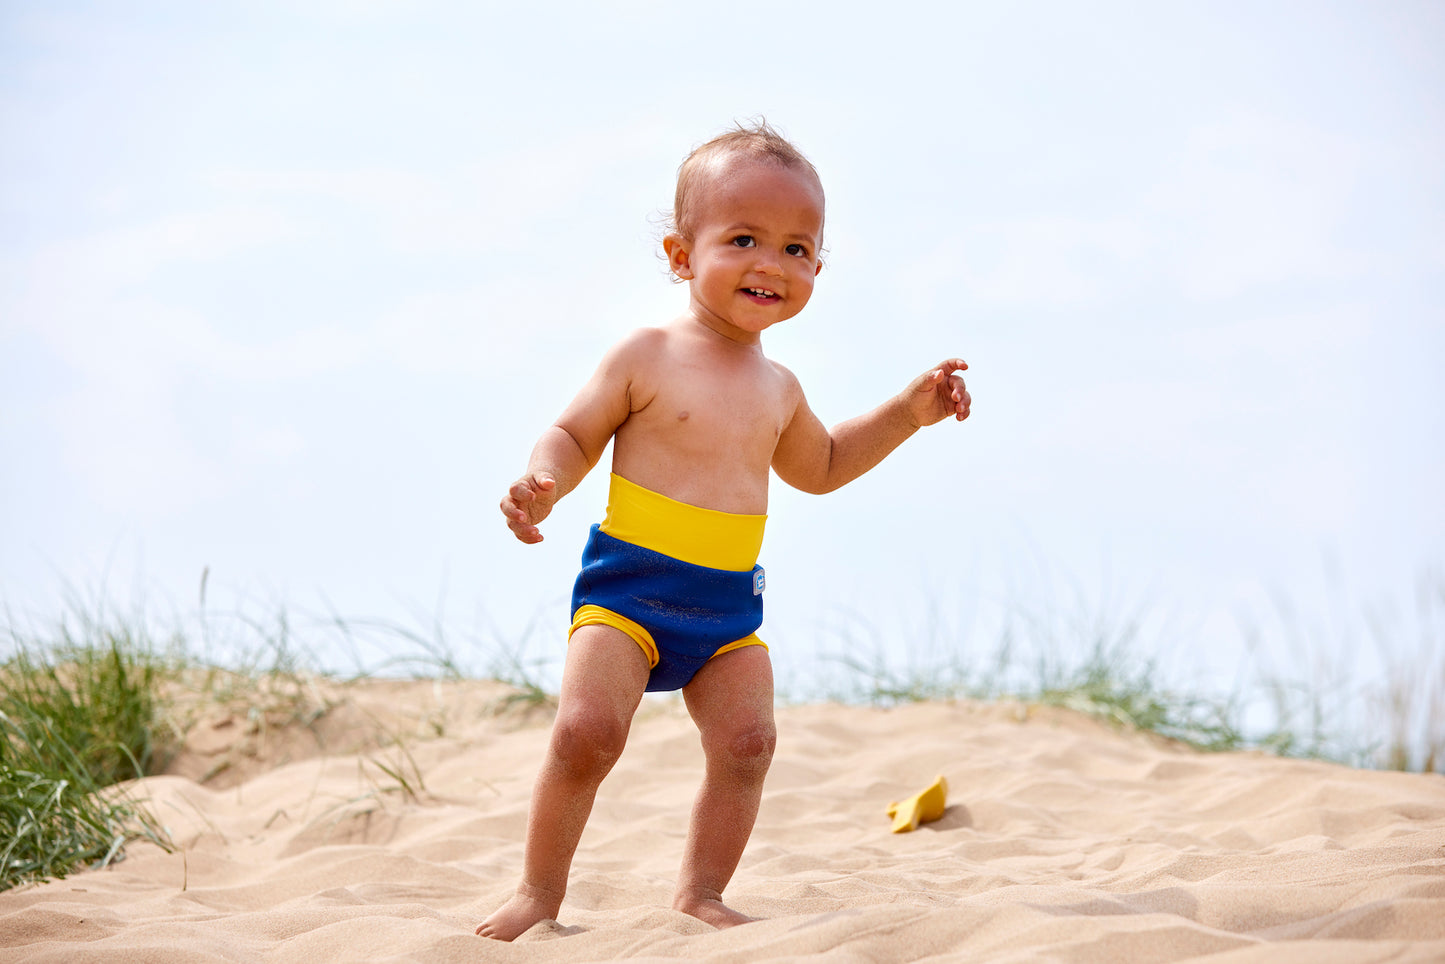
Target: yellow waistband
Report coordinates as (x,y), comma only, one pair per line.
(703,537)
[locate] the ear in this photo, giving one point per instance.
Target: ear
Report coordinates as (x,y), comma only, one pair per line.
(818,269)
(679,255)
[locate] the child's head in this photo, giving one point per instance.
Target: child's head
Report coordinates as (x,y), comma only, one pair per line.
(748,231)
(755,142)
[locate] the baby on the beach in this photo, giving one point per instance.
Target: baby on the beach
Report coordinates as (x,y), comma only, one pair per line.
(670,593)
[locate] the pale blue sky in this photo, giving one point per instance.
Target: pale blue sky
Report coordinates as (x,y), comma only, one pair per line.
(287,290)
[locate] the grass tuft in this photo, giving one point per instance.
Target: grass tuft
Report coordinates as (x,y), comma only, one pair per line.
(76,718)
(1113,685)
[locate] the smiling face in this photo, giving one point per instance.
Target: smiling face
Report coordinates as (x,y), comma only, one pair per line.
(754,251)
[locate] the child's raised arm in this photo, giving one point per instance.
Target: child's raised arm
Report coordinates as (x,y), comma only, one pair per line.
(570,447)
(813,459)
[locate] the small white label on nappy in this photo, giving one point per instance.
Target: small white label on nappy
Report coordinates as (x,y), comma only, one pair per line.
(760,581)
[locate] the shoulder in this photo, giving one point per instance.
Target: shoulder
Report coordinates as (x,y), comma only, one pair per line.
(632,355)
(638,346)
(786,379)
(645,337)
(633,367)
(787,393)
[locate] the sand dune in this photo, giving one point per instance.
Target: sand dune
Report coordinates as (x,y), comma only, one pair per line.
(1063,841)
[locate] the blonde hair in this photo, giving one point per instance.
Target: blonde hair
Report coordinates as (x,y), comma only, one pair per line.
(754,140)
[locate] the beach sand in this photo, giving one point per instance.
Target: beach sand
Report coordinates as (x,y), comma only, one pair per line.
(1063,840)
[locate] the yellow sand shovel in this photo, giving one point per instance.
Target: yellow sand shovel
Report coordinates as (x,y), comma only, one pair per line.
(922,807)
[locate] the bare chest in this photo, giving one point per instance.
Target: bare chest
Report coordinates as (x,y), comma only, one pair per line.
(729,414)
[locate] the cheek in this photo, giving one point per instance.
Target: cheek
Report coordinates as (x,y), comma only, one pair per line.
(800,290)
(722,259)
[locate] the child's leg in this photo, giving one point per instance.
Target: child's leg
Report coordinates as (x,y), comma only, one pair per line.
(731,700)
(602,684)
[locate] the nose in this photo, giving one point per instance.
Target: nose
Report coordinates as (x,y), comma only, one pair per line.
(768,264)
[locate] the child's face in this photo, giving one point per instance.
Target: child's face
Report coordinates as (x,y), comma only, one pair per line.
(754,251)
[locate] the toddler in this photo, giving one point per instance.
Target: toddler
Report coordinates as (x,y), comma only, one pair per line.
(670,594)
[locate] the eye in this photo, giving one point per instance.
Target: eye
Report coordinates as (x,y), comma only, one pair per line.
(797,250)
(744,241)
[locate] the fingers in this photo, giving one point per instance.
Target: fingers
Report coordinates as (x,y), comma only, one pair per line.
(521,506)
(949,388)
(962,401)
(529,534)
(513,506)
(526,488)
(522,527)
(954,389)
(946,367)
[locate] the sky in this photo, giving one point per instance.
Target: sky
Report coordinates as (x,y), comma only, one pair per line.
(287,291)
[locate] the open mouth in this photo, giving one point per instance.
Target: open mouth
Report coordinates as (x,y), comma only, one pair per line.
(763,293)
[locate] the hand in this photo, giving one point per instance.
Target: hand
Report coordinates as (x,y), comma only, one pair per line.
(528,502)
(937,394)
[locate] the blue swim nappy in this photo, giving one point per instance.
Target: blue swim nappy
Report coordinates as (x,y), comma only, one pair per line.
(679,612)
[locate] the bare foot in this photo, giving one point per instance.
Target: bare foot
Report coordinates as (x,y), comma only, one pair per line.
(712,911)
(524,909)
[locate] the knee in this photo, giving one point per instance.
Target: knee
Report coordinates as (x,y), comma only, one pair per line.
(747,750)
(587,745)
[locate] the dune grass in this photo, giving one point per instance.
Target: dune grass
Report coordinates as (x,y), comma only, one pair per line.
(77,717)
(1328,707)
(1111,683)
(92,702)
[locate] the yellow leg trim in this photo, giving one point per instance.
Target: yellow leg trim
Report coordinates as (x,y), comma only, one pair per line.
(739,644)
(597,616)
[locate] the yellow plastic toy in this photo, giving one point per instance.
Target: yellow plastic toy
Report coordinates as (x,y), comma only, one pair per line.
(922,807)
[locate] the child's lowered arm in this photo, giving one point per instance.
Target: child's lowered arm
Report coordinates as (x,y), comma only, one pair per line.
(556,466)
(569,449)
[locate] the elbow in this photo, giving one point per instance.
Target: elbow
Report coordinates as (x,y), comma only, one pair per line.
(824,486)
(812,486)
(818,486)
(815,473)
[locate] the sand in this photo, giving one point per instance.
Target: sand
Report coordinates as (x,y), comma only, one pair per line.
(1063,840)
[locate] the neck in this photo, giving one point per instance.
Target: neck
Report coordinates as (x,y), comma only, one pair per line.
(723,330)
